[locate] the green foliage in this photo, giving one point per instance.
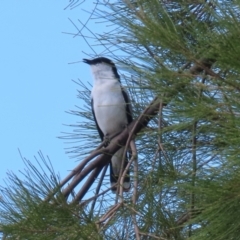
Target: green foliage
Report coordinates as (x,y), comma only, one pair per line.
(187,54)
(29,211)
(188,164)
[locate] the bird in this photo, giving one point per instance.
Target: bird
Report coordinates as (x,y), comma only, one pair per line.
(112,112)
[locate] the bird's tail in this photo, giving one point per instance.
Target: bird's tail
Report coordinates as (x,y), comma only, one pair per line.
(115,168)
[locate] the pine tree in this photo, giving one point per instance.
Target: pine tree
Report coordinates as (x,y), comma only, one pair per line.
(181,65)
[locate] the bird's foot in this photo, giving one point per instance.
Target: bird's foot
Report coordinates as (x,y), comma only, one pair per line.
(107,138)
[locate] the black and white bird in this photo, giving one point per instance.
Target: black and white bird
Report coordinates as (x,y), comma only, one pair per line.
(111,110)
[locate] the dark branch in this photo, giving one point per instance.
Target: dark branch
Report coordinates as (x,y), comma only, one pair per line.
(81,171)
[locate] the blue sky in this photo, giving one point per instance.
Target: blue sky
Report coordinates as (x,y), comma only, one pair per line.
(36,80)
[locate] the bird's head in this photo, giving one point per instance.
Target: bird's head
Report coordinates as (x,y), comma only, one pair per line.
(102,65)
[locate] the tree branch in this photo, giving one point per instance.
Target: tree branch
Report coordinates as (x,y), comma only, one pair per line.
(81,171)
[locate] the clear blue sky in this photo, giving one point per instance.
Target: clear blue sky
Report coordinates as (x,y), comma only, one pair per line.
(35,80)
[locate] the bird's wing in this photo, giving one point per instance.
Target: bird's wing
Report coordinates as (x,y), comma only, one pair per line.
(98,128)
(126,181)
(128,105)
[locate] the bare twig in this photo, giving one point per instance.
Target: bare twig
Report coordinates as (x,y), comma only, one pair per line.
(120,185)
(97,163)
(134,124)
(109,214)
(187,216)
(88,183)
(135,185)
(98,187)
(158,60)
(135,175)
(152,236)
(74,172)
(122,178)
(83,203)
(81,165)
(194,159)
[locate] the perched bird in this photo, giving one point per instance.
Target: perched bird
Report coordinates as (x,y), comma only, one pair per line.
(111,110)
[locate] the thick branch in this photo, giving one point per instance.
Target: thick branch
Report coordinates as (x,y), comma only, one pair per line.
(115,144)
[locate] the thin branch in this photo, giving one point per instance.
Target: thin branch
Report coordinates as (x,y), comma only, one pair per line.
(85,202)
(194,170)
(135,185)
(88,183)
(81,165)
(187,216)
(135,175)
(133,127)
(109,214)
(155,57)
(122,139)
(100,161)
(99,187)
(152,236)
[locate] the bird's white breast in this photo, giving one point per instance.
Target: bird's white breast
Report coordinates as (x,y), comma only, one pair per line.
(109,106)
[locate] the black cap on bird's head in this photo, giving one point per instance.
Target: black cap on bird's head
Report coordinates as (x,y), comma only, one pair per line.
(103,60)
(98,60)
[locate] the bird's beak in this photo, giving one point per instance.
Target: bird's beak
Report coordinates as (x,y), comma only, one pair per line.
(86,61)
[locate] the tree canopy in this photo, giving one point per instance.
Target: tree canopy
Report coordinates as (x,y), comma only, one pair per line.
(180,63)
